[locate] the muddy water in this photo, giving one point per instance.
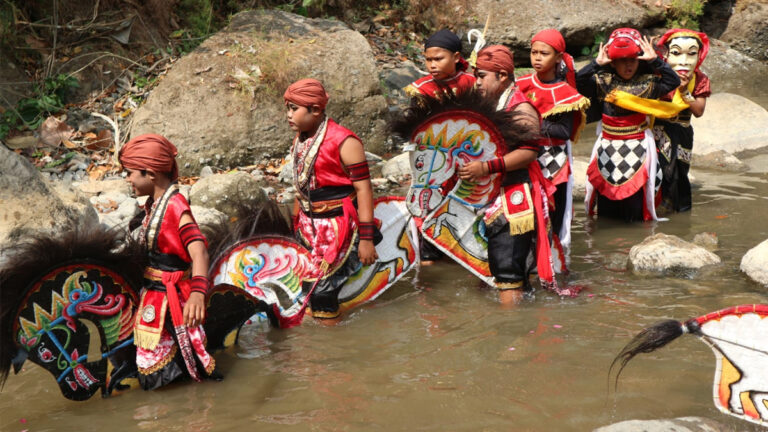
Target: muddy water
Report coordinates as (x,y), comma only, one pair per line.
(437,352)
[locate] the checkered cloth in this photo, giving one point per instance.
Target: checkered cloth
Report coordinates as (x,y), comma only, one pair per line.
(663,143)
(552,159)
(619,160)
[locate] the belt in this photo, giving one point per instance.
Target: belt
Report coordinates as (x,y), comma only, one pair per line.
(625,130)
(156,275)
(324,206)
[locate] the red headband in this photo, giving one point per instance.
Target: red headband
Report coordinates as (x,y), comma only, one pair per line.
(496,58)
(550,37)
(307,92)
(150,152)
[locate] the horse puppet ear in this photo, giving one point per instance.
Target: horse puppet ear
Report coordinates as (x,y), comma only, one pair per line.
(19,359)
(648,340)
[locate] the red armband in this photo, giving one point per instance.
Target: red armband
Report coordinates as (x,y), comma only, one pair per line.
(497,165)
(365,230)
(199,284)
(190,233)
(358,171)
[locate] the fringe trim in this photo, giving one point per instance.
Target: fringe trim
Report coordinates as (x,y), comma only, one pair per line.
(162,363)
(580,105)
(211,366)
(144,336)
(325,315)
(522,224)
(503,286)
(523,221)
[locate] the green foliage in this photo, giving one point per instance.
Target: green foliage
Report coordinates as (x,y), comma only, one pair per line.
(685,14)
(593,51)
(51,96)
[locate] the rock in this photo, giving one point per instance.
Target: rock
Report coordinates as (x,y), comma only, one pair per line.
(27,202)
(14,83)
(719,160)
(225,192)
(380,184)
(399,77)
(235,107)
(286,172)
(513,23)
(724,63)
(372,158)
(755,263)
(707,240)
(96,187)
(680,424)
(206,171)
(616,262)
(22,142)
(730,123)
(398,166)
(207,215)
(747,29)
(661,253)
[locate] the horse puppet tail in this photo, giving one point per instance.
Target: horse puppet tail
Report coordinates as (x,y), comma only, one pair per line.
(651,339)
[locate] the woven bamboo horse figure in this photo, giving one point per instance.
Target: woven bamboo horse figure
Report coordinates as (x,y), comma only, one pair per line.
(739,338)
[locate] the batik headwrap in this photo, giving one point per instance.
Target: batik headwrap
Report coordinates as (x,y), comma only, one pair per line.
(447,40)
(496,58)
(676,33)
(307,92)
(624,43)
(150,152)
(555,39)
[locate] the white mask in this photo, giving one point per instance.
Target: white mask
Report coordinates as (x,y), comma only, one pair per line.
(683,54)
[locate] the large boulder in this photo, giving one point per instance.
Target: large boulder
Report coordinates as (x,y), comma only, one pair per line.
(513,22)
(755,263)
(724,63)
(747,29)
(226,192)
(730,123)
(680,424)
(28,202)
(662,253)
(222,104)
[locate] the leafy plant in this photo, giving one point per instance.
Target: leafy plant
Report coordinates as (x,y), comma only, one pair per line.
(685,13)
(593,50)
(50,98)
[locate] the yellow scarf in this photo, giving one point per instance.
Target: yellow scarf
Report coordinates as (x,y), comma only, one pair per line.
(652,107)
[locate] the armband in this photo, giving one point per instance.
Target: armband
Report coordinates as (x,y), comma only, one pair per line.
(496,165)
(366,230)
(199,284)
(190,233)
(359,171)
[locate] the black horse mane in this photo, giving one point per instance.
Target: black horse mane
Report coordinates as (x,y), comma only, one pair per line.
(509,123)
(252,218)
(649,340)
(38,253)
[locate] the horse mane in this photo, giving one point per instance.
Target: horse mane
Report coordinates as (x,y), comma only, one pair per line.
(40,252)
(649,340)
(252,218)
(514,131)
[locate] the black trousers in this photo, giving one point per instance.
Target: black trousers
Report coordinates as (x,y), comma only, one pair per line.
(508,255)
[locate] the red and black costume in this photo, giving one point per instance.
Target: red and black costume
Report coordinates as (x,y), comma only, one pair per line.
(674,136)
(623,177)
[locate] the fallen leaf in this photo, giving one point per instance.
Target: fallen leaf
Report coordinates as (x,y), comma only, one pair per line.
(54,131)
(103,140)
(69,144)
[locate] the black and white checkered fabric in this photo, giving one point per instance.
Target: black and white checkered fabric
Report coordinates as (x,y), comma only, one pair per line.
(659,177)
(552,159)
(619,160)
(663,143)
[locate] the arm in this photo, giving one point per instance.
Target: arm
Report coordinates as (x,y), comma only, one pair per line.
(352,153)
(696,104)
(558,126)
(194,309)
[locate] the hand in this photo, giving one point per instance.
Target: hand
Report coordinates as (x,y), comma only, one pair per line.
(194,310)
(602,55)
(685,78)
(649,53)
(366,251)
(473,171)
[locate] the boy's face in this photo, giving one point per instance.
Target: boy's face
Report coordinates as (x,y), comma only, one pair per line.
(626,67)
(441,63)
(141,183)
(543,57)
(300,118)
(490,84)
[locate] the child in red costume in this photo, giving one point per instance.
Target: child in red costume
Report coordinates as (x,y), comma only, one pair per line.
(334,206)
(447,68)
(168,331)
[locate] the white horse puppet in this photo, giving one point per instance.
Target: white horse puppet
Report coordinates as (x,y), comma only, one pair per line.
(739,338)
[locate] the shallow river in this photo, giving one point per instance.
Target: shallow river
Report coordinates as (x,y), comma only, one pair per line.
(437,352)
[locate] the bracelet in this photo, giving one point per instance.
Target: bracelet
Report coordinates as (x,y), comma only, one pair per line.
(199,284)
(688,97)
(365,230)
(496,165)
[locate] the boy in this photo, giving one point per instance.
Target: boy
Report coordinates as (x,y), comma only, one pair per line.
(685,51)
(622,176)
(168,348)
(446,67)
(334,206)
(517,220)
(550,89)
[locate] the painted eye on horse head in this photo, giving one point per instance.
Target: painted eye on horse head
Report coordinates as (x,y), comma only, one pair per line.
(44,354)
(419,163)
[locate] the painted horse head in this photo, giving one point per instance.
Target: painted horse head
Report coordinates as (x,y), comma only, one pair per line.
(76,317)
(739,338)
(446,133)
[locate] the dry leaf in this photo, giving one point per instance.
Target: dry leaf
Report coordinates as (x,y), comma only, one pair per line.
(69,144)
(54,131)
(103,140)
